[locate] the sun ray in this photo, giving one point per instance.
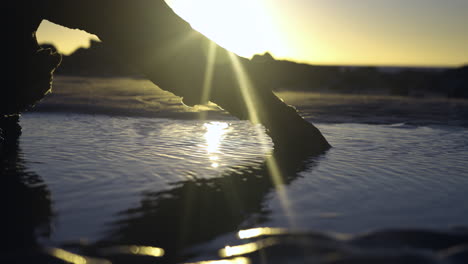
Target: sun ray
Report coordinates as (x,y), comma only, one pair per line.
(250,98)
(245,88)
(208,79)
(209,72)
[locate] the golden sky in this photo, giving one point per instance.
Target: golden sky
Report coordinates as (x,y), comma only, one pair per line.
(337,32)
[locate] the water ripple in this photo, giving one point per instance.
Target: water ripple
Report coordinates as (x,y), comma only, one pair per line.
(376,176)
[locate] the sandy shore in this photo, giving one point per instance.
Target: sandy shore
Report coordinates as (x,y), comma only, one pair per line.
(140,97)
(119,96)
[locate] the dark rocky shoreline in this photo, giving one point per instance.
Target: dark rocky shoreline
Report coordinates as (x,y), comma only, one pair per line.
(283,75)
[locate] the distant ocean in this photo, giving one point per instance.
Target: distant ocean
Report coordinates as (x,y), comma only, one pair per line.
(117,161)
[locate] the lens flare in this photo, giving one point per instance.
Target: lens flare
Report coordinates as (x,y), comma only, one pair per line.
(134,250)
(261,231)
(238,260)
(253,107)
(230,251)
(209,72)
(208,78)
(70,257)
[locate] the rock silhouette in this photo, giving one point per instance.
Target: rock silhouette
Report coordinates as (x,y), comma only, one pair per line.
(148,35)
(284,75)
(96,61)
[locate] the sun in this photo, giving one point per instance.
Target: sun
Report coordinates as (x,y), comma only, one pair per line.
(245,27)
(241,26)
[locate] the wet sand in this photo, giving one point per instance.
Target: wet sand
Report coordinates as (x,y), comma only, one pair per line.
(140,97)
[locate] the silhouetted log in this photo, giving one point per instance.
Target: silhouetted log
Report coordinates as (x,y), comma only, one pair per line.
(151,37)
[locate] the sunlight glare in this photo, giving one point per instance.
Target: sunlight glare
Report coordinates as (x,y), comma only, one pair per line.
(135,250)
(241,26)
(238,260)
(67,256)
(148,251)
(73,258)
(230,251)
(260,231)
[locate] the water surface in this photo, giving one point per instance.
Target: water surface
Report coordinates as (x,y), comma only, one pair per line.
(141,180)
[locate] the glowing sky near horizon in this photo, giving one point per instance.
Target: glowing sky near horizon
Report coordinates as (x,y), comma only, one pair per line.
(340,32)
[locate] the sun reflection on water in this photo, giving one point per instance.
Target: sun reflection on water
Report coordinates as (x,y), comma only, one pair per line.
(215,132)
